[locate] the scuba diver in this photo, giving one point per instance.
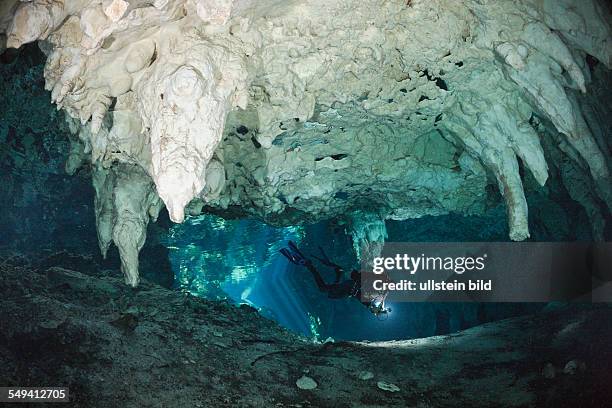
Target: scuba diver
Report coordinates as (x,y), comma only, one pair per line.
(339,289)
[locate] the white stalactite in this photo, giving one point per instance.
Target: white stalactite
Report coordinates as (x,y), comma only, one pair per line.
(315,108)
(369,233)
(125,202)
(493,141)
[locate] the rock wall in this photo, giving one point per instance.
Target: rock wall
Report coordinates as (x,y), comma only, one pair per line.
(43,208)
(305,110)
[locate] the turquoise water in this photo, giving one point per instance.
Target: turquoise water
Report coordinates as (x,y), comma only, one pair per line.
(239,260)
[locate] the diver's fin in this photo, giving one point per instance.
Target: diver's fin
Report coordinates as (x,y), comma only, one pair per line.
(287,255)
(295,249)
(293,257)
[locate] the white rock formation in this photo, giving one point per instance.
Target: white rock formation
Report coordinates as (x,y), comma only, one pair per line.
(125,202)
(300,110)
(306,383)
(369,233)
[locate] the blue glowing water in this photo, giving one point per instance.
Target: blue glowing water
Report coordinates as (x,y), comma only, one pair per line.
(239,260)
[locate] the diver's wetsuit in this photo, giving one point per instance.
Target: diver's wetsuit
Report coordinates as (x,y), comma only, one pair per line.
(337,290)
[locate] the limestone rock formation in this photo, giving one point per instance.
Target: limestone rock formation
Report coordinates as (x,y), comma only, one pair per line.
(295,111)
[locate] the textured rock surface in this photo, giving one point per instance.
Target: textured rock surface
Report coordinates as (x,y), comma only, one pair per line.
(300,111)
(155,347)
(41,205)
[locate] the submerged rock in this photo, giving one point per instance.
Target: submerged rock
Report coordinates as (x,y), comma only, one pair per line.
(387,386)
(306,383)
(365,375)
(574,366)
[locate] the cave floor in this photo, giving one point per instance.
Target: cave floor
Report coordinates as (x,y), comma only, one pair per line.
(81,327)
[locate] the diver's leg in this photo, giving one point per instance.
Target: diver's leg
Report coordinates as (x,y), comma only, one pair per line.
(339,273)
(323,287)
